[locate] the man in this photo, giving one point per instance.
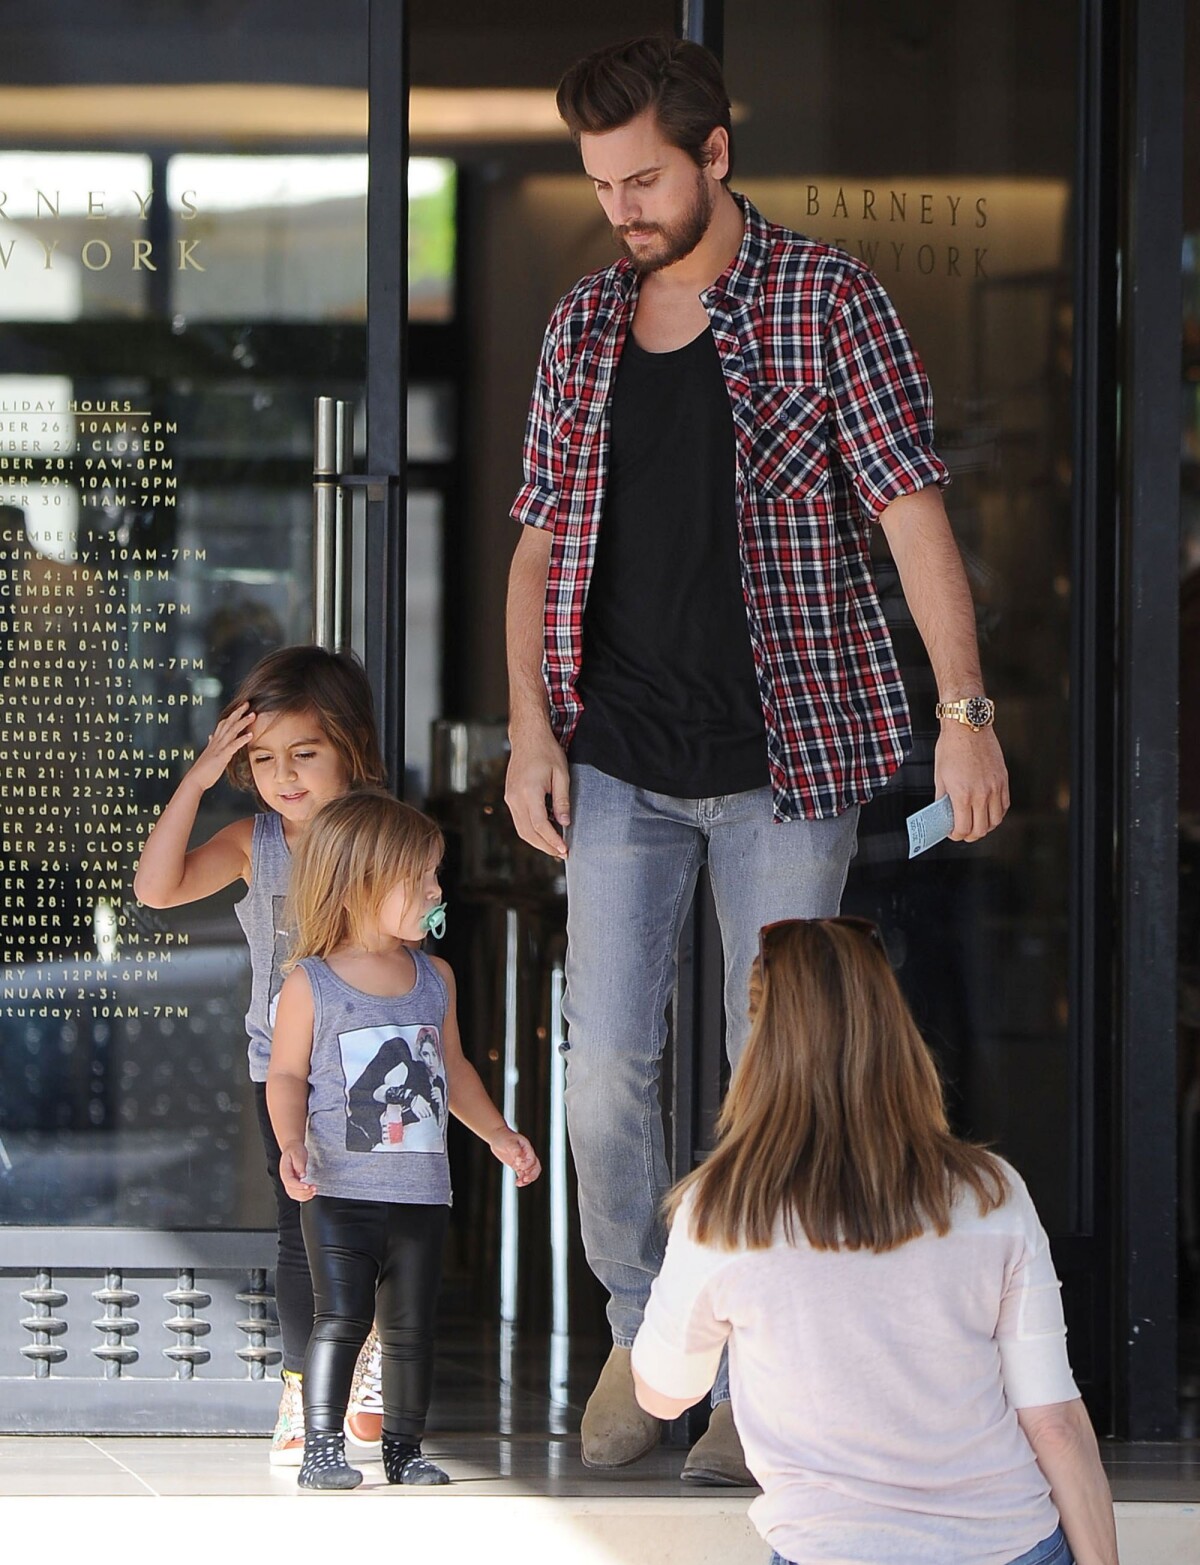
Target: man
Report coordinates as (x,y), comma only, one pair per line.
(699,666)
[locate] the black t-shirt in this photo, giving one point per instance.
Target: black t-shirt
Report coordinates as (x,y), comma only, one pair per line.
(667,679)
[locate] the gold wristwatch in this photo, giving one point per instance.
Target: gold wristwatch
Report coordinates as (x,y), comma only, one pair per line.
(975,712)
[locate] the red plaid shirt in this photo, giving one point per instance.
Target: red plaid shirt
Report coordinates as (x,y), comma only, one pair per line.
(832,420)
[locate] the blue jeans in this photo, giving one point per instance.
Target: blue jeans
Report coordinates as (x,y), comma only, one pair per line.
(1050,1551)
(631,871)
(1053,1550)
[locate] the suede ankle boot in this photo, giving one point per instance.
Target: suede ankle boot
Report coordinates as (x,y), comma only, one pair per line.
(717,1457)
(615,1430)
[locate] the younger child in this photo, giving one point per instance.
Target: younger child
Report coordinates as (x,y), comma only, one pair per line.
(299,732)
(365,1060)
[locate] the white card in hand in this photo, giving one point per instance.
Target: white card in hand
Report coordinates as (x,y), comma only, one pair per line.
(932,824)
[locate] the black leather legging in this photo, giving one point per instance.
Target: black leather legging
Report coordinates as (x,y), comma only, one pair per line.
(381,1261)
(293,1286)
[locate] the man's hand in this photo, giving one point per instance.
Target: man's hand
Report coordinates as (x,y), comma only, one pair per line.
(537,771)
(970,768)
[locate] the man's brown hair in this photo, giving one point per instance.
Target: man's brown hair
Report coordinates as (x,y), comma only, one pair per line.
(680,81)
(334,686)
(834,1122)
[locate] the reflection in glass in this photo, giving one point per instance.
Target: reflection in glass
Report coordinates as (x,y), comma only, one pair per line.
(166,320)
(910,145)
(423,638)
(75,240)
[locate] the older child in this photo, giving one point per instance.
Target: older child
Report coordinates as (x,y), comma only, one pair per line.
(299,731)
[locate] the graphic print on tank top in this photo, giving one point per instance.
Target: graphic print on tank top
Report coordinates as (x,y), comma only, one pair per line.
(396,1098)
(279,955)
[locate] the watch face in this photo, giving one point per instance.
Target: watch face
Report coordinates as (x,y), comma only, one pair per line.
(978,711)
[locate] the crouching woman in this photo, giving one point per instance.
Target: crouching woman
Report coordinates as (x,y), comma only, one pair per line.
(894,1323)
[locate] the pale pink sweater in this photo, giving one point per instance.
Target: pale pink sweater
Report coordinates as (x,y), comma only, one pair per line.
(875,1394)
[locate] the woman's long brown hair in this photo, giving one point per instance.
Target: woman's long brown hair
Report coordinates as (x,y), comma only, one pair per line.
(834,1122)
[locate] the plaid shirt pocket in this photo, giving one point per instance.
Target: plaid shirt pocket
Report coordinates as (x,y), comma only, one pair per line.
(789,450)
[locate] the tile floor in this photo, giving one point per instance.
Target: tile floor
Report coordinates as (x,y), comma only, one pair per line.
(504,1421)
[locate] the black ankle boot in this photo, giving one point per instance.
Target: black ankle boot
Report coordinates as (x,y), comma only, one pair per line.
(403,1463)
(325,1465)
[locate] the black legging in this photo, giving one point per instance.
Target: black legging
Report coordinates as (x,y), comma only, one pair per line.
(293,1285)
(381,1261)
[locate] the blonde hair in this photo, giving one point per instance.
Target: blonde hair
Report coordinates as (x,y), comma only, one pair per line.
(834,1121)
(355,850)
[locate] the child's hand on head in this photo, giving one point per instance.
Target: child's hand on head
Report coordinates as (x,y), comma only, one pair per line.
(228,737)
(516,1153)
(293,1165)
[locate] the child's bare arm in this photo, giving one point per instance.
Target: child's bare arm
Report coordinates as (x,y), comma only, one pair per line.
(287,1082)
(168,875)
(469,1100)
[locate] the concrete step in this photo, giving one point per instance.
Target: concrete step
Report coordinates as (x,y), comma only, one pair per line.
(519,1500)
(503,1528)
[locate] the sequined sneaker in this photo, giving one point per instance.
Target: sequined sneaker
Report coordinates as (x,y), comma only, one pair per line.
(364,1415)
(287,1443)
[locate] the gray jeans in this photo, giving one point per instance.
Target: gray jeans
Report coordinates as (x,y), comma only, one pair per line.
(631,871)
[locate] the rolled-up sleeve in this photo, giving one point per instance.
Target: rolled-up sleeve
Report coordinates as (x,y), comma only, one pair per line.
(1031,1332)
(678,1347)
(536,503)
(881,403)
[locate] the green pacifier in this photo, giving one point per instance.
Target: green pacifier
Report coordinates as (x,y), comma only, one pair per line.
(434,922)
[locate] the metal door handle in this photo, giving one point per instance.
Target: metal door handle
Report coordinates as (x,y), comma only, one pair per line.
(332,423)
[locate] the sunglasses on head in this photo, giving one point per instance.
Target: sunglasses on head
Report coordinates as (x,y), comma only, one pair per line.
(863,926)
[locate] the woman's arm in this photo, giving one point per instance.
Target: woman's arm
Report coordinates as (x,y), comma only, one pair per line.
(167,874)
(678,1346)
(287,1082)
(469,1099)
(1065,1446)
(659,1406)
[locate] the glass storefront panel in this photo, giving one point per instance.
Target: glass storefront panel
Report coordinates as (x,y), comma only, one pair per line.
(182,271)
(938,144)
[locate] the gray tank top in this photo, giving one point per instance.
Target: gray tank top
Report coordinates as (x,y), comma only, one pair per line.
(377,1094)
(260,913)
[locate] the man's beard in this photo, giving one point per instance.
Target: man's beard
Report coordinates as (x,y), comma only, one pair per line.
(674,240)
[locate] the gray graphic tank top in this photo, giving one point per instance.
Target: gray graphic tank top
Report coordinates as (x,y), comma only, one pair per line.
(260,913)
(377,1094)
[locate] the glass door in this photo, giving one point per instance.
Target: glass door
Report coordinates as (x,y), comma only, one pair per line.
(940,145)
(183,270)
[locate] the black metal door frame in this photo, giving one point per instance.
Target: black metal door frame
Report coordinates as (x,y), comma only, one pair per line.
(1146,693)
(387,370)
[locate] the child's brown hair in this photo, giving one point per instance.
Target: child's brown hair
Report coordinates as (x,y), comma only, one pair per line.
(334,686)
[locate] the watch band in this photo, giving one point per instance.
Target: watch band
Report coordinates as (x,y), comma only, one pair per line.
(974,712)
